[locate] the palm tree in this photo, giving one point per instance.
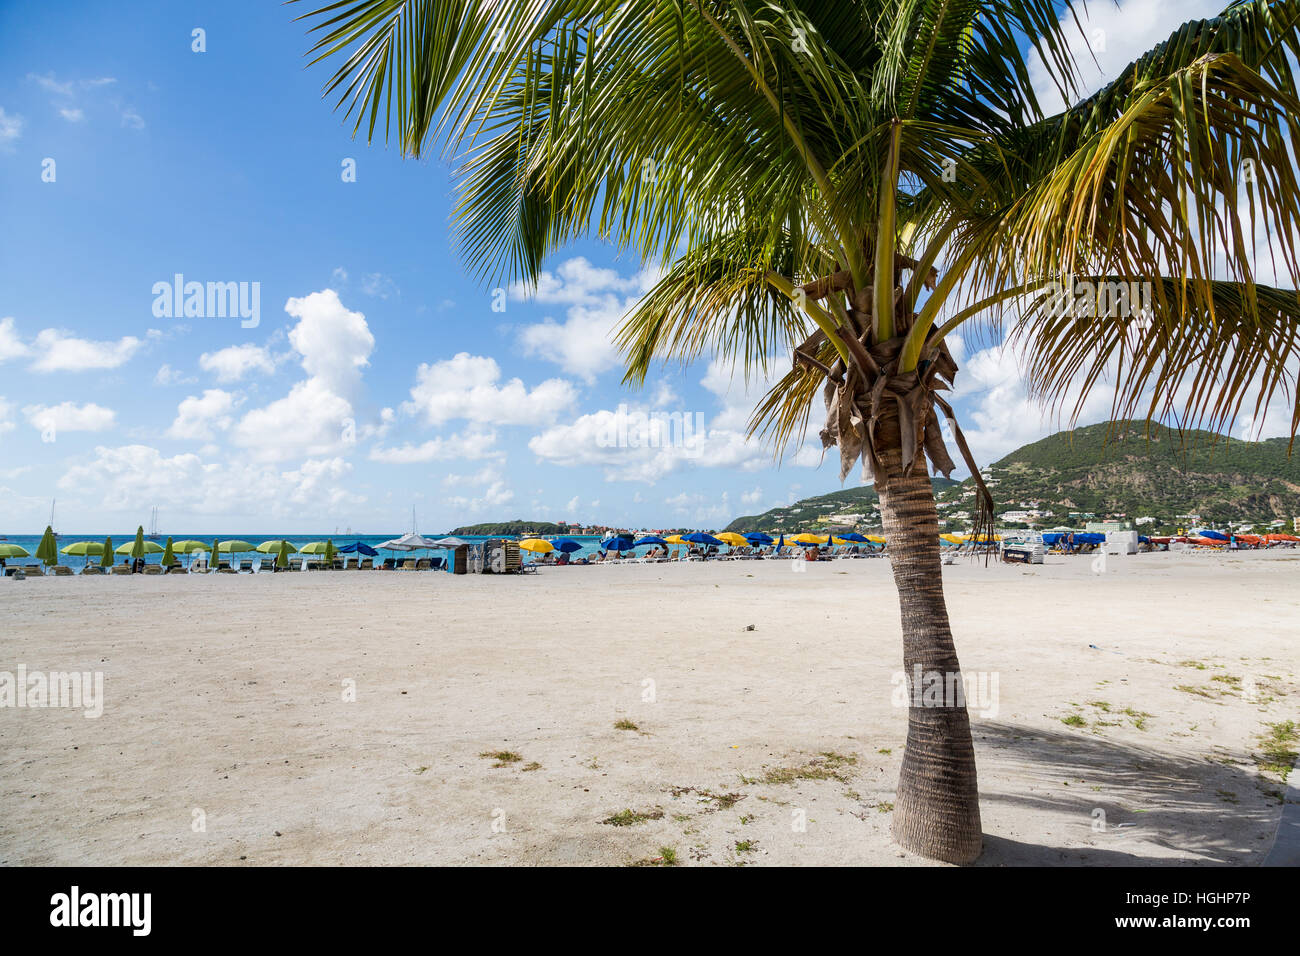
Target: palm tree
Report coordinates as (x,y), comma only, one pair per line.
(803,173)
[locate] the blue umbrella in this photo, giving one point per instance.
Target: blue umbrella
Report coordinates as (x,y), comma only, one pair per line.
(618,542)
(757,537)
(1213,535)
(851,536)
(699,537)
(780,542)
(567,545)
(359,547)
(650,539)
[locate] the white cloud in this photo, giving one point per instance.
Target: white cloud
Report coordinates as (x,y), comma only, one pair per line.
(379,285)
(471,445)
(598,300)
(465,386)
(197,416)
(72,115)
(234,362)
(702,509)
(69,417)
(132,119)
(6,417)
(334,342)
(1115,34)
(494,494)
(57,351)
(11,128)
(167,375)
(136,477)
(11,346)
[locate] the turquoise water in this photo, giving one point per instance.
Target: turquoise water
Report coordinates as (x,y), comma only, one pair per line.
(590,544)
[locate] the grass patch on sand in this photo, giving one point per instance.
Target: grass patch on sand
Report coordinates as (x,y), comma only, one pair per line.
(1198,691)
(885,807)
(829,765)
(630,818)
(714,801)
(625,724)
(503,758)
(532,766)
(667,857)
(1277,753)
(1074,720)
(746,846)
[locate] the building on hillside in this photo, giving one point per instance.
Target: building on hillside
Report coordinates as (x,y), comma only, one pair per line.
(1105,527)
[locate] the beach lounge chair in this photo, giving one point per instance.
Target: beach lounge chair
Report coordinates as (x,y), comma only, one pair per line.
(61,570)
(367,564)
(121,569)
(153,569)
(408,564)
(92,569)
(424,564)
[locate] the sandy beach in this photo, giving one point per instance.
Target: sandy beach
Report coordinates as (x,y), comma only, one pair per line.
(226,738)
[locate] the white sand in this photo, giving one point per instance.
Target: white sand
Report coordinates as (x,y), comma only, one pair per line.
(223,695)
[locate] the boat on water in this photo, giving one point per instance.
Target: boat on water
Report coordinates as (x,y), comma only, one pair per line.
(153,523)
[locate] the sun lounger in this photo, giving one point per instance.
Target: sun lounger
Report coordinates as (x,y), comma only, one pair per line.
(368,564)
(121,569)
(92,569)
(153,569)
(424,564)
(61,570)
(408,564)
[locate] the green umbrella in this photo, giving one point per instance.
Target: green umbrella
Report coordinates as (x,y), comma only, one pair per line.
(282,559)
(235,545)
(48,550)
(314,547)
(213,560)
(169,557)
(14,551)
(188,546)
(139,548)
(82,548)
(329,553)
(271,547)
(107,559)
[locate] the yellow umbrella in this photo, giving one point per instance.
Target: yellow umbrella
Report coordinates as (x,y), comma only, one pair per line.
(730,537)
(807,538)
(675,539)
(952,538)
(874,538)
(537,545)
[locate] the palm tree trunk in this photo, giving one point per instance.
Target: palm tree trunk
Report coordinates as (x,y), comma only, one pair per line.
(936,811)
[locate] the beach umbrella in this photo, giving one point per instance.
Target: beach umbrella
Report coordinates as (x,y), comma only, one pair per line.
(567,545)
(853,537)
(878,539)
(139,548)
(274,546)
(700,537)
(330,551)
(359,547)
(808,538)
(282,557)
(48,550)
(618,542)
(82,548)
(313,547)
(757,537)
(187,546)
(780,542)
(106,558)
(649,539)
(733,539)
(214,558)
(1212,535)
(235,545)
(169,556)
(675,539)
(13,551)
(536,545)
(411,542)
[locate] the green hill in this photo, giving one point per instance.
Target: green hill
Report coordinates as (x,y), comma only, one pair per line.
(1136,470)
(813,512)
(516,527)
(1098,471)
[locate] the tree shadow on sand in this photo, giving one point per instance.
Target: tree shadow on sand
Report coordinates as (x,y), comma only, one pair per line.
(1148,797)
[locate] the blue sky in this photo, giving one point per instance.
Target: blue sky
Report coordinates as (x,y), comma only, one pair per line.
(379,376)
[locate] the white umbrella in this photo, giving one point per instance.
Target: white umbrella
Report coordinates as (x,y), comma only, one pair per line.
(408,542)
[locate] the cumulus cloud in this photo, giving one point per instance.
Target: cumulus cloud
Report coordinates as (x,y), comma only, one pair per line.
(56,351)
(234,362)
(166,375)
(11,128)
(136,477)
(198,416)
(468,387)
(598,299)
(11,346)
(70,417)
(471,445)
(316,418)
(6,416)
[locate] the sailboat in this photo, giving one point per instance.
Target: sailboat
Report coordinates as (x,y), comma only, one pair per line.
(52,503)
(153,523)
